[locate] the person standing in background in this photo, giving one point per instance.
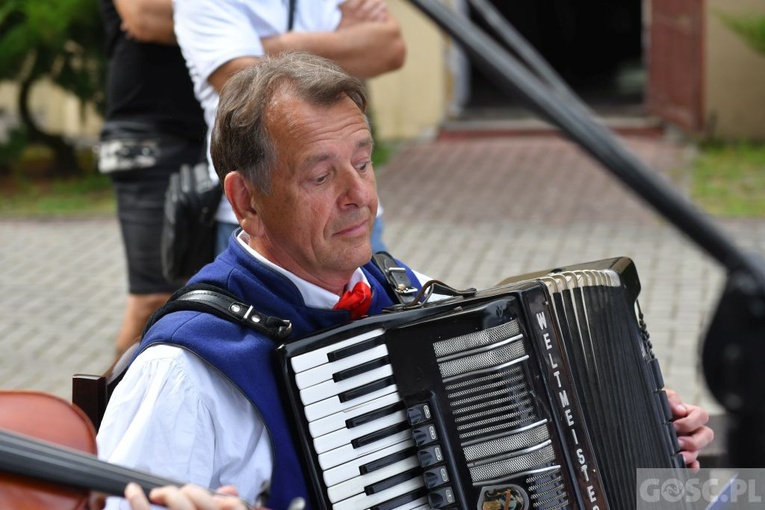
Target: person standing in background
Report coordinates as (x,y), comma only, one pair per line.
(220,37)
(153,125)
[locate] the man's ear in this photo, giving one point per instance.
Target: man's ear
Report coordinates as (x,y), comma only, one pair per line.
(241,195)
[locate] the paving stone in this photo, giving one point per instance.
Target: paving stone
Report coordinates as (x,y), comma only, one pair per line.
(470,213)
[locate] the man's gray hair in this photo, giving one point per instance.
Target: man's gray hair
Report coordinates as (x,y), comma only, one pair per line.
(240,137)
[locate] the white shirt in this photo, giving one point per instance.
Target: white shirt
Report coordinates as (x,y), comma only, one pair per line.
(213,32)
(166,416)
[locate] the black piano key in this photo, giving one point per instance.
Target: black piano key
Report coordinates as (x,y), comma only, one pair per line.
(365,389)
(387,460)
(373,415)
(391,481)
(400,500)
(354,349)
(360,369)
(379,434)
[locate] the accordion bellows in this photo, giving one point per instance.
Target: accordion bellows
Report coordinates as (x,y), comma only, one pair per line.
(540,393)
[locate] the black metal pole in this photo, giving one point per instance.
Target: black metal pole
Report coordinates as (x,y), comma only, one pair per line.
(590,134)
(734,346)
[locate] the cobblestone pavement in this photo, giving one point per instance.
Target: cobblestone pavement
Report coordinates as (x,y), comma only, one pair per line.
(469,213)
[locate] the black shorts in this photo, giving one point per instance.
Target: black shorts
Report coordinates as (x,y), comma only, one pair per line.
(140,208)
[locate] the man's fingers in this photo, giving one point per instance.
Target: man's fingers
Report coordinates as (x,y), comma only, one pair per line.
(174,498)
(135,496)
(696,440)
(229,490)
(194,497)
(694,419)
(679,410)
(373,10)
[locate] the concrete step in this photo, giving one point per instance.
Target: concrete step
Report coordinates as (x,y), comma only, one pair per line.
(483,128)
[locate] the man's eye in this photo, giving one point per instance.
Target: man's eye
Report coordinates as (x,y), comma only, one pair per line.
(364,165)
(321,178)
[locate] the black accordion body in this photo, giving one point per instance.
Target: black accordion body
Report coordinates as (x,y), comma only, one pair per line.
(540,393)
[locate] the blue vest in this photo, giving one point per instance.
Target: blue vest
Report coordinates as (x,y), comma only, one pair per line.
(247,357)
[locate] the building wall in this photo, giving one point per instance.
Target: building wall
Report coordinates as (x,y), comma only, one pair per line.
(408,103)
(735,83)
(55,110)
(411,102)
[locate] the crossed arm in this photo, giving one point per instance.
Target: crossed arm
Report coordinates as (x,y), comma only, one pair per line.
(367,43)
(149,21)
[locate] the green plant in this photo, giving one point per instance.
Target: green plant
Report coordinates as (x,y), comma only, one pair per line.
(61,40)
(750,27)
(729,179)
(89,195)
(11,149)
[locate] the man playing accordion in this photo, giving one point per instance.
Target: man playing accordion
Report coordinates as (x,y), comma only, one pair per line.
(200,402)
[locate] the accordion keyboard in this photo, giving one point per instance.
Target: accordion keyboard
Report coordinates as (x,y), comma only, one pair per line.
(358,426)
(539,394)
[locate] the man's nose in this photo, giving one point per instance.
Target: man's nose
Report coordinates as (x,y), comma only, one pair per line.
(359,188)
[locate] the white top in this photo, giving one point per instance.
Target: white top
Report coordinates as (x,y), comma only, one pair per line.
(213,32)
(167,416)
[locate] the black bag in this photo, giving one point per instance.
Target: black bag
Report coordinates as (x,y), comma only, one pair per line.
(188,231)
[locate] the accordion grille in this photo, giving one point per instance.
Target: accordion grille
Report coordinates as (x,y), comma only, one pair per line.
(501,469)
(488,356)
(476,340)
(501,445)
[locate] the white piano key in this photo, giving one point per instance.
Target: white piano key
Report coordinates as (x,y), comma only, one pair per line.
(347,453)
(319,356)
(350,469)
(356,485)
(417,504)
(362,501)
(338,438)
(337,421)
(330,388)
(325,371)
(333,405)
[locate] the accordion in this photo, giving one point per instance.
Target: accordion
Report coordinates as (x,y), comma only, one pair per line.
(542,392)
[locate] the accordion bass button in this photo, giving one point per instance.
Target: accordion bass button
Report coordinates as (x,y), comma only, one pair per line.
(435,476)
(441,498)
(430,455)
(424,435)
(418,413)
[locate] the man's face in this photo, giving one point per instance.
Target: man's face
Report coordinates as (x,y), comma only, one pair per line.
(317,220)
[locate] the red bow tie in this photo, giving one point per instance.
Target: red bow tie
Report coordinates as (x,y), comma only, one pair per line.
(356,301)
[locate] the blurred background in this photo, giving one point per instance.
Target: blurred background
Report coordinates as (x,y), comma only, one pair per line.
(682,81)
(696,65)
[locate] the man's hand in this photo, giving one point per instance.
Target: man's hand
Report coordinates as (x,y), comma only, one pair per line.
(148,21)
(188,497)
(361,11)
(690,425)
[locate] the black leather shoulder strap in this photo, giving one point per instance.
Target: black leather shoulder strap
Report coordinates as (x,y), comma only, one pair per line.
(202,297)
(396,276)
(291,16)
